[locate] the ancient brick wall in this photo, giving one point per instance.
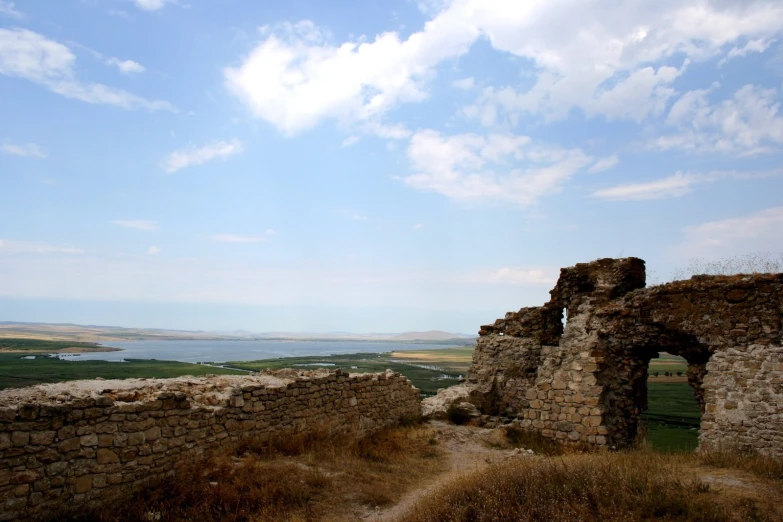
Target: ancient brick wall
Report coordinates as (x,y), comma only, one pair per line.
(587,382)
(85,442)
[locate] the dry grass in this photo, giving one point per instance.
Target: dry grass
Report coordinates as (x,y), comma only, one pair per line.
(756,263)
(304,477)
(751,462)
(627,486)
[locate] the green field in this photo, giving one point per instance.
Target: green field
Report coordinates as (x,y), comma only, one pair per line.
(672,416)
(668,363)
(15,371)
(40,345)
(428,374)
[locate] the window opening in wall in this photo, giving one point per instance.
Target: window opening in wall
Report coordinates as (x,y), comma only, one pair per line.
(564,317)
(673,416)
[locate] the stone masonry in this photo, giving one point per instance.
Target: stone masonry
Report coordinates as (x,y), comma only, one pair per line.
(587,382)
(85,442)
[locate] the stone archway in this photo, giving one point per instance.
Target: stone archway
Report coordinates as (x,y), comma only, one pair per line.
(585,381)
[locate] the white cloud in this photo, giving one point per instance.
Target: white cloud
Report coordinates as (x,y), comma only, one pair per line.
(294,79)
(674,186)
(466,84)
(418,226)
(199,155)
(750,122)
(126,66)
(603,164)
(153,251)
(28,149)
(232,238)
(497,167)
(350,140)
(152,5)
(33,57)
(9,9)
(10,247)
(752,46)
(605,57)
(138,224)
(759,232)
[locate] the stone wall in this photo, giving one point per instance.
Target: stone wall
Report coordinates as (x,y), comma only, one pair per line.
(587,382)
(84,442)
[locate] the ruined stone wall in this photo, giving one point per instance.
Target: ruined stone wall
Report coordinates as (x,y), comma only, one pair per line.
(587,383)
(86,442)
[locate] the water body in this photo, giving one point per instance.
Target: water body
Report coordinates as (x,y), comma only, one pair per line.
(224,351)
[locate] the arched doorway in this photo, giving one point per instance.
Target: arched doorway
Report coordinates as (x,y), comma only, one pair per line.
(663,409)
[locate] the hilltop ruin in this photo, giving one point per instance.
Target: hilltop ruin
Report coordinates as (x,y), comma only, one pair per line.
(586,382)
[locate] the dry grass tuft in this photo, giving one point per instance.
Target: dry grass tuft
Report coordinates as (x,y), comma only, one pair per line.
(624,486)
(749,461)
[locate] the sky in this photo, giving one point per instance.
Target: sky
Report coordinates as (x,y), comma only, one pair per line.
(375,166)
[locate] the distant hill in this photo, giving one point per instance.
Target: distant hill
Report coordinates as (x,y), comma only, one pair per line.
(431,335)
(93,333)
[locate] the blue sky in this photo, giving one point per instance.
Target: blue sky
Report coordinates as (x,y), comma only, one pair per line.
(373,166)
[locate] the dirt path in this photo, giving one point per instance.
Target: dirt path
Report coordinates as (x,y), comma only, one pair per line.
(468,449)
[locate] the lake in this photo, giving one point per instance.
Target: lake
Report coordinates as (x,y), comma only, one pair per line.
(224,351)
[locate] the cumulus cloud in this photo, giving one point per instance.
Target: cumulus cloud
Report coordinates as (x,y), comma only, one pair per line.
(33,57)
(499,167)
(199,155)
(294,78)
(126,66)
(153,251)
(606,57)
(750,122)
(138,224)
(30,150)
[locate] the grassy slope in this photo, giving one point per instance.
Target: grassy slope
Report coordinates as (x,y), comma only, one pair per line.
(17,372)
